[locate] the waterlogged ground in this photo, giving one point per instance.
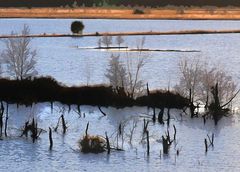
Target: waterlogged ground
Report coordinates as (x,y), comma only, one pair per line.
(20,154)
(61,59)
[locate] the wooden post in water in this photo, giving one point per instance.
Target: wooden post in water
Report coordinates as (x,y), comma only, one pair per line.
(165,145)
(51,107)
(145,126)
(148,92)
(63,124)
(86,131)
(1,118)
(154,115)
(148,145)
(108,144)
(6,122)
(160,116)
(168,117)
(50,139)
(175,132)
(206,146)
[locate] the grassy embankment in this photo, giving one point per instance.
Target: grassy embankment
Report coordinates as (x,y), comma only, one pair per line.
(106,13)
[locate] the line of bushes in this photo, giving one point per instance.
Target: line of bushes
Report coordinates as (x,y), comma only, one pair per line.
(46,89)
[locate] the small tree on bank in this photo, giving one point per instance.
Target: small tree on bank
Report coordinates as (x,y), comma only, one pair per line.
(206,85)
(77,27)
(119,40)
(107,40)
(125,76)
(116,73)
(18,56)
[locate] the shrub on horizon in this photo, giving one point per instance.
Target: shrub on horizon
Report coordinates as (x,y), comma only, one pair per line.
(77,27)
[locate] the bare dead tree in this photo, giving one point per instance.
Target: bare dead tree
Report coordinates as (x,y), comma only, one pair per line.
(18,56)
(134,68)
(99,42)
(126,76)
(116,73)
(132,129)
(107,40)
(119,40)
(198,80)
(190,78)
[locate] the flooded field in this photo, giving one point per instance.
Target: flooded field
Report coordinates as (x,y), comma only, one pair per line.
(62,59)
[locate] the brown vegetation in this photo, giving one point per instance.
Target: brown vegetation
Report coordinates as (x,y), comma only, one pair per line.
(106,13)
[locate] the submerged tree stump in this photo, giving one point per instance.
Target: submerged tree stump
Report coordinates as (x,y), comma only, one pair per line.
(160,116)
(50,139)
(165,145)
(33,128)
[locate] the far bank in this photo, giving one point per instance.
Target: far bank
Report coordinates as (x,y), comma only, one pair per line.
(106,13)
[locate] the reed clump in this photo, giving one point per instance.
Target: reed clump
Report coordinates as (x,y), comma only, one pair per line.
(92,144)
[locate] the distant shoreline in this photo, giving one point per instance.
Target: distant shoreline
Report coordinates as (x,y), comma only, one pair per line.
(106,13)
